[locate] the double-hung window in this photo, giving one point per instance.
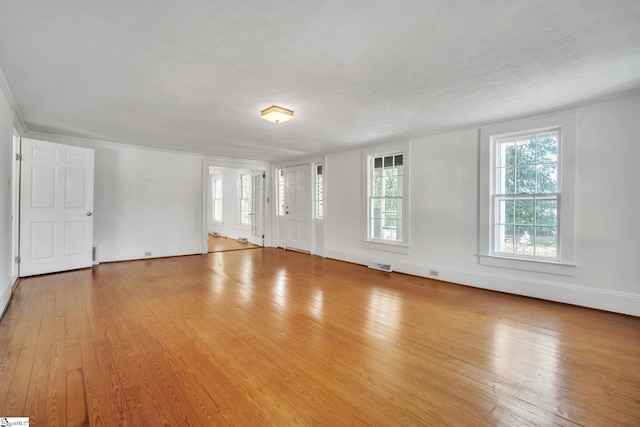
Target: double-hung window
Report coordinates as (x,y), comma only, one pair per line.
(387,199)
(527,195)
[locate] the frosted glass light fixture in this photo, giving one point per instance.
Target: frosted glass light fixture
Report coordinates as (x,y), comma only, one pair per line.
(276,114)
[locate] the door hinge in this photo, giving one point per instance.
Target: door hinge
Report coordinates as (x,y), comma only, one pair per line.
(18,259)
(18,157)
(264,175)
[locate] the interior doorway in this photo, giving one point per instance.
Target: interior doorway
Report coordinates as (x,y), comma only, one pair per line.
(234,200)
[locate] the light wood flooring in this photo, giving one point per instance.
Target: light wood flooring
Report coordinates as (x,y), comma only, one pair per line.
(269,337)
(222,244)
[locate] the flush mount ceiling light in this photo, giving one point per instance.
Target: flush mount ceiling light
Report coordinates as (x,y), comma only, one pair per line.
(276,114)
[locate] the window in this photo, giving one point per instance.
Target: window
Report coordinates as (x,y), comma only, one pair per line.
(319,191)
(245,199)
(526,194)
(386,207)
(526,197)
(216,206)
(280,183)
(385,201)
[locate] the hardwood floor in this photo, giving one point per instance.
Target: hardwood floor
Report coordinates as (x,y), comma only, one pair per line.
(222,244)
(270,337)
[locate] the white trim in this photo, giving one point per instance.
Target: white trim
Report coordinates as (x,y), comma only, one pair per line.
(206,190)
(528,265)
(614,301)
(139,254)
(377,245)
(566,221)
(367,153)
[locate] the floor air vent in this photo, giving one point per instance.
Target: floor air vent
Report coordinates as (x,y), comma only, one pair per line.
(381,266)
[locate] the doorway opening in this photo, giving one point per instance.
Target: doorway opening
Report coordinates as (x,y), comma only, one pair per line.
(234,207)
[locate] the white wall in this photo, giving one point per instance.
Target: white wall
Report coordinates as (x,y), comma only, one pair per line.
(145,200)
(6,141)
(444,213)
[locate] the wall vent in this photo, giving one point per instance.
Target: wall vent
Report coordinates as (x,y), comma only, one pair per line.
(94,255)
(243,239)
(380,266)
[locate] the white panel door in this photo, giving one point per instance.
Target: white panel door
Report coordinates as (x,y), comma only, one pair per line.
(298,213)
(56,207)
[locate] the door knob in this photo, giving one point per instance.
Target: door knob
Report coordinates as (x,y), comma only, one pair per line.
(89,213)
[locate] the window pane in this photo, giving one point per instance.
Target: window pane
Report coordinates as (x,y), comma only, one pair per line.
(547,178)
(524,211)
(390,229)
(524,240)
(547,148)
(546,242)
(547,212)
(391,208)
(503,238)
(391,187)
(388,161)
(398,160)
(376,208)
(505,154)
(525,179)
(526,151)
(505,180)
(377,162)
(376,191)
(504,211)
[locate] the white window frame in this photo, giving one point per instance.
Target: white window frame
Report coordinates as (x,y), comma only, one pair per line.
(319,191)
(368,154)
(564,264)
(244,219)
(216,196)
(280,189)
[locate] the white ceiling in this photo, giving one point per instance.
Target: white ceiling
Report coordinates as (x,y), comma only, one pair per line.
(193,76)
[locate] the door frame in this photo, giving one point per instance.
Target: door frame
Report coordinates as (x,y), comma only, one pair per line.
(15,205)
(206,191)
(318,228)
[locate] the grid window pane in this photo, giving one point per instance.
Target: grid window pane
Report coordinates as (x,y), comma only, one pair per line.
(547,242)
(547,212)
(547,178)
(385,198)
(526,194)
(524,211)
(524,240)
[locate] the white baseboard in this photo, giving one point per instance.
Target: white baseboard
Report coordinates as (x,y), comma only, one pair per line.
(614,301)
(154,253)
(5,297)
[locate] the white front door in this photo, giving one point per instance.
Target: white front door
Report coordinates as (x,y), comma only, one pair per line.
(298,212)
(56,207)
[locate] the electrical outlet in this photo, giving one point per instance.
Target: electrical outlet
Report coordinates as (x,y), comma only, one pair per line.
(433,273)
(147,254)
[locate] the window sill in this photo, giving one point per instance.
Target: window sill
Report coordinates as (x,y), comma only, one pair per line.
(387,247)
(549,267)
